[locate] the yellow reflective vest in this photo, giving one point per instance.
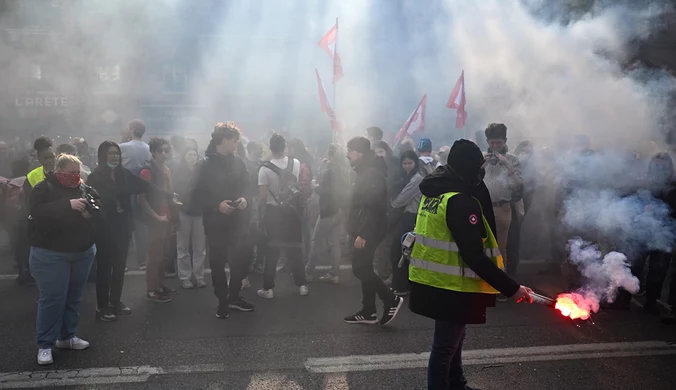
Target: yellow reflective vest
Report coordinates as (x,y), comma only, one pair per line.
(436,261)
(35,176)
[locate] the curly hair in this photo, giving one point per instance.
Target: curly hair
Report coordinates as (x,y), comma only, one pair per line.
(227,130)
(155,144)
(42,143)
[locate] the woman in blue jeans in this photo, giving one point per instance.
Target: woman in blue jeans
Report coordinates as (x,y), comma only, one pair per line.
(62,250)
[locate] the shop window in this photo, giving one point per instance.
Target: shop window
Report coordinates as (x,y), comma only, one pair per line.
(175,77)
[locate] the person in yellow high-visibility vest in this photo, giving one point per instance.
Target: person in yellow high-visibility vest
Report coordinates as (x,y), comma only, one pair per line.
(456,269)
(47,157)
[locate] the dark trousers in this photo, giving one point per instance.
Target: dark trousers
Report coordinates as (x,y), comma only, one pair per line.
(22,251)
(283,231)
(111,259)
(371,284)
(400,274)
(223,251)
(513,243)
(158,236)
(658,266)
(445,366)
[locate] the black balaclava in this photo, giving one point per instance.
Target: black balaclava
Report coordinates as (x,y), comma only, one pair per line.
(466,160)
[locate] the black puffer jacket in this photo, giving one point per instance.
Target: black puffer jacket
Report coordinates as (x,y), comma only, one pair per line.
(220,178)
(55,226)
(453,306)
(368,208)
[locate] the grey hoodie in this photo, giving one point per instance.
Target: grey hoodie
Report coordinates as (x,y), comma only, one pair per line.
(410,196)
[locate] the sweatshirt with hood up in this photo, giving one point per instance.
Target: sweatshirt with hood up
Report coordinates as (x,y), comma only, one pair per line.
(462,210)
(368,208)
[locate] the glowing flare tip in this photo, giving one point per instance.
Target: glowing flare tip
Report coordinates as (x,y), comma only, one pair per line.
(573,306)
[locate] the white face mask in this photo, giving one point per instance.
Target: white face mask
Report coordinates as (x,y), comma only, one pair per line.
(112,166)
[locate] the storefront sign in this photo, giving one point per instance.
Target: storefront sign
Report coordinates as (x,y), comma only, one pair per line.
(42,101)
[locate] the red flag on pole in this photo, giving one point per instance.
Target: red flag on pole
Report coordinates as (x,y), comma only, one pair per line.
(326,105)
(415,123)
(457,101)
(329,43)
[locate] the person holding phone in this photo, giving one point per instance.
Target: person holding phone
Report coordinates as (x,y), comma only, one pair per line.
(220,187)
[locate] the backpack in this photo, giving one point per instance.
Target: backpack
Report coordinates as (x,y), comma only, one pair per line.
(11,194)
(427,168)
(290,196)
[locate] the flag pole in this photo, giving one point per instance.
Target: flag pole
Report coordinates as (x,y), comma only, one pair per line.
(333,81)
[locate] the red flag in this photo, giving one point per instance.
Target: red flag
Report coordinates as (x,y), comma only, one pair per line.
(326,105)
(415,123)
(457,101)
(329,43)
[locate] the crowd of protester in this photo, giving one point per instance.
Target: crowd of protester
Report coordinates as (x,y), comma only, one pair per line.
(173,209)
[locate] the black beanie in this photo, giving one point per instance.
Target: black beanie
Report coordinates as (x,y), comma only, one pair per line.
(359,144)
(465,158)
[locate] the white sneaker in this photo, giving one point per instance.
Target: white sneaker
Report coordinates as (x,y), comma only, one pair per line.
(187,284)
(45,356)
(303,291)
(267,294)
(75,343)
(200,283)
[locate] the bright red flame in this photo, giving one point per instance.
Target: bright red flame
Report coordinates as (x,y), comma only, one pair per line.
(573,305)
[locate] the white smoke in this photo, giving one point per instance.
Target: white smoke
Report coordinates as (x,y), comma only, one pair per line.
(638,220)
(604,275)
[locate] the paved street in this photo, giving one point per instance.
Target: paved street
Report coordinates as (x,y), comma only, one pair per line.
(294,342)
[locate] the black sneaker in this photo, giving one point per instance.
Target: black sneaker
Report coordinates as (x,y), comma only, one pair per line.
(105,315)
(120,309)
(390,311)
(668,318)
(223,311)
(168,291)
(362,317)
(240,304)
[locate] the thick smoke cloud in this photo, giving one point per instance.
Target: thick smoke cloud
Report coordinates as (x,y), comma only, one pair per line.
(604,275)
(548,80)
(252,61)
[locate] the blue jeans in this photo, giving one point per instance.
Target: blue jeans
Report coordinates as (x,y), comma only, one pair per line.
(445,366)
(61,278)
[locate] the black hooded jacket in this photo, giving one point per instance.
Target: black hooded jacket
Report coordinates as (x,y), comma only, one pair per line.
(368,208)
(115,187)
(453,306)
(220,178)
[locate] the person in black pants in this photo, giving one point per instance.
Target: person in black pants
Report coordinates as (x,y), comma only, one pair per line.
(367,216)
(115,186)
(406,200)
(219,191)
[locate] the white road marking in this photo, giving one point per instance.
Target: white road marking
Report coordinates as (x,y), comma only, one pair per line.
(493,356)
(336,367)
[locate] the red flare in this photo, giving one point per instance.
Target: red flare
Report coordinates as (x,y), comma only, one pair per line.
(573,305)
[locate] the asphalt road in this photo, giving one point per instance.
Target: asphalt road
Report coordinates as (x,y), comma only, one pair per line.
(294,342)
